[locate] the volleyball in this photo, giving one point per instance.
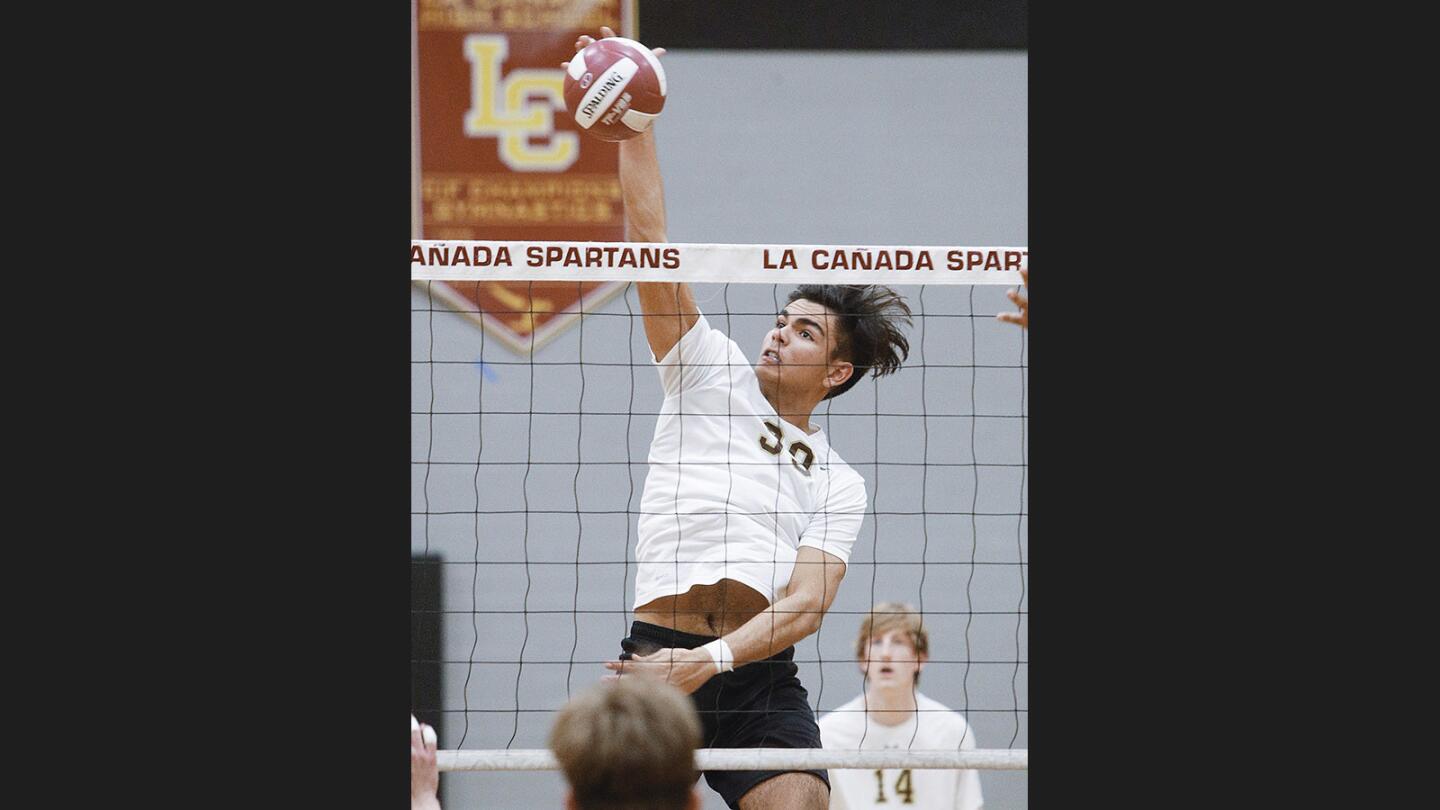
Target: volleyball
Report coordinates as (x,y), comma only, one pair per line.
(615,88)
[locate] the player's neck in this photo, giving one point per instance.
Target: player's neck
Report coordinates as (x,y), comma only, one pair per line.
(890,705)
(793,408)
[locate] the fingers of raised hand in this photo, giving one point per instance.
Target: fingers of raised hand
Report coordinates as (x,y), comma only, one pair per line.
(585,40)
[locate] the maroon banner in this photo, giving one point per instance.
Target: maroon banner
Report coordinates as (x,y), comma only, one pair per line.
(501,159)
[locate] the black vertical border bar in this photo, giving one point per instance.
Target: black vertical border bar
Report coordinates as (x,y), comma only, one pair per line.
(1153,611)
(294,381)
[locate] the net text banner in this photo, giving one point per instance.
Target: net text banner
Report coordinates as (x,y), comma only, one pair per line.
(703,263)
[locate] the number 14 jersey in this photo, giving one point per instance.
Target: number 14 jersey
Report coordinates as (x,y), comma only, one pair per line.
(933,727)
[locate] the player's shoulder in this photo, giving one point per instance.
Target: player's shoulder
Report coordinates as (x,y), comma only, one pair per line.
(704,329)
(939,709)
(924,701)
(720,336)
(705,344)
(843,468)
(838,724)
(835,465)
(844,480)
(851,708)
(941,716)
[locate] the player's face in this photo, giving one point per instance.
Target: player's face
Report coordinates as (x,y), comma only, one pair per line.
(891,660)
(799,352)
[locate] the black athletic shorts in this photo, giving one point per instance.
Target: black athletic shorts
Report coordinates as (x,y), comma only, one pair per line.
(758,705)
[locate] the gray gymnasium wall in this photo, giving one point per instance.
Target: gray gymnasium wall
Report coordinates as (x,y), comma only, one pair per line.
(873,148)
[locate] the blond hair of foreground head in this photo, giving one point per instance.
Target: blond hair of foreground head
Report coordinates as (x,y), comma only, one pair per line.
(628,745)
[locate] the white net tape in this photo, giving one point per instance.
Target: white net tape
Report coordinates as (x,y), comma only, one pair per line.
(763,759)
(437,260)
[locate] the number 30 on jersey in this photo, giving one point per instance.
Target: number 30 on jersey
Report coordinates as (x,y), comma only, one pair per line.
(800,453)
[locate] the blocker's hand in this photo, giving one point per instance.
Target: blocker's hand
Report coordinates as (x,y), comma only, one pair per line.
(687,670)
(424,773)
(1022,318)
(584,41)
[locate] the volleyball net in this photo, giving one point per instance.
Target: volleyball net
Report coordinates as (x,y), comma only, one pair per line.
(534,402)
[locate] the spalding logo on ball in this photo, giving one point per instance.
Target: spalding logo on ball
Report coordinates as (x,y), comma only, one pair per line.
(615,88)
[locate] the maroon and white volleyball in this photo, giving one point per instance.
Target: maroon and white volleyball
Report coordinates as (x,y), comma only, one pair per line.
(615,88)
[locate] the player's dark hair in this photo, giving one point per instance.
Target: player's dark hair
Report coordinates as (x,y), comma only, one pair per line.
(870,320)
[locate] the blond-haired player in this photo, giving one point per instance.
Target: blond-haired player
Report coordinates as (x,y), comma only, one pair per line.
(892,648)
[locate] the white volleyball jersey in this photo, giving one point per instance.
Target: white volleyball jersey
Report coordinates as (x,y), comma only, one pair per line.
(733,490)
(933,727)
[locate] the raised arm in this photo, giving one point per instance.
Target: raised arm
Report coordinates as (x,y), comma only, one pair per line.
(669,309)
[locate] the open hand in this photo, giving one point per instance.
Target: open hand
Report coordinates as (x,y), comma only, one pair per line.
(424,773)
(1022,318)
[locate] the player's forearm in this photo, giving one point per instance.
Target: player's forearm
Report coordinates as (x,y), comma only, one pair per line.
(772,630)
(782,625)
(669,308)
(641,189)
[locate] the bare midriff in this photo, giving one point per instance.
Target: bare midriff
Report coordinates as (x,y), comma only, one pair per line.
(705,610)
